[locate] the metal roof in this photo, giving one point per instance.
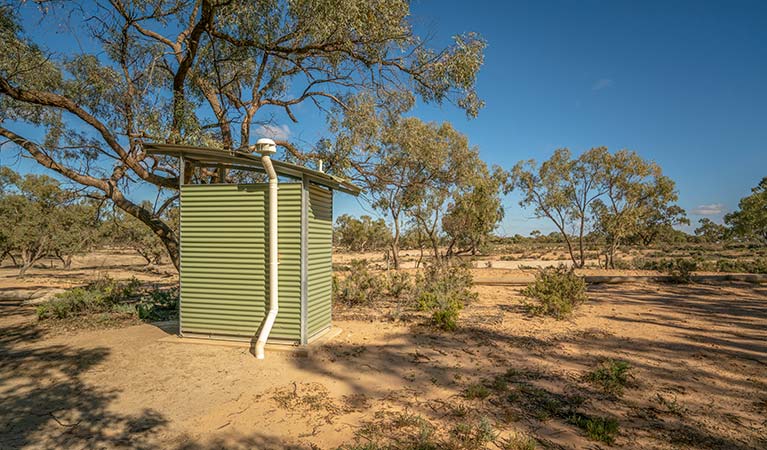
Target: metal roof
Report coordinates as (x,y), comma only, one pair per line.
(247,161)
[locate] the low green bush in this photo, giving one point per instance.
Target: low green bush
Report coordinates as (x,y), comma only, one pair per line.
(681,270)
(158,305)
(603,429)
(742,266)
(111,297)
(612,376)
(476,391)
(400,284)
(100,296)
(555,292)
(360,286)
(443,291)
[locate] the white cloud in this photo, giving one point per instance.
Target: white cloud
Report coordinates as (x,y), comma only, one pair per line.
(602,83)
(709,210)
(277,132)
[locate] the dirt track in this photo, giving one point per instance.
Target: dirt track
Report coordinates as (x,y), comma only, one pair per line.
(699,357)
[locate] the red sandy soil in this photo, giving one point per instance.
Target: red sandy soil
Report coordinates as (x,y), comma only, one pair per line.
(698,355)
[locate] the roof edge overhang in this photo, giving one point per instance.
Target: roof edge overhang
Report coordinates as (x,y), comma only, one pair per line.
(247,161)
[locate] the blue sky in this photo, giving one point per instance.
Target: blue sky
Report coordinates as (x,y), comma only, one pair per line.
(681,83)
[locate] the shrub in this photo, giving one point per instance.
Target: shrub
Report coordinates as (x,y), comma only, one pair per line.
(681,270)
(556,291)
(443,291)
(730,265)
(360,286)
(603,429)
(611,375)
(158,305)
(400,284)
(476,391)
(102,295)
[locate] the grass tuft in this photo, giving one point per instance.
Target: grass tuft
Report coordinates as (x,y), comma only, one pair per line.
(612,376)
(476,391)
(602,429)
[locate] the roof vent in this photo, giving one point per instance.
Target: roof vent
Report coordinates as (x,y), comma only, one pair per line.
(265,145)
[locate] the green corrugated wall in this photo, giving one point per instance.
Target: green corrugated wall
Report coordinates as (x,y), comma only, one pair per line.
(224,260)
(320,265)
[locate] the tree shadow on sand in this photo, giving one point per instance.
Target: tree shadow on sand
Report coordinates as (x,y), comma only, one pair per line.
(425,363)
(44,401)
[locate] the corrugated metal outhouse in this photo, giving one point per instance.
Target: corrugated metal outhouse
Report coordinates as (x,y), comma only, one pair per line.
(224,273)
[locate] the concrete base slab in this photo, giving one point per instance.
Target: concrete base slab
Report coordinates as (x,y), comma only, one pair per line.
(283,348)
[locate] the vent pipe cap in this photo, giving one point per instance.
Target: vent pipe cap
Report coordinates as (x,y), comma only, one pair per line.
(266,146)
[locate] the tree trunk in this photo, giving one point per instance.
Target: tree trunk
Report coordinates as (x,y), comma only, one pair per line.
(27,260)
(580,244)
(569,244)
(395,241)
(395,252)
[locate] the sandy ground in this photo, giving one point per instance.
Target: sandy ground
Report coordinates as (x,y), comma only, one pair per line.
(698,352)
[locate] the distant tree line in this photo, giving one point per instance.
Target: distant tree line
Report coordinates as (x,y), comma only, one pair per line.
(40,218)
(436,193)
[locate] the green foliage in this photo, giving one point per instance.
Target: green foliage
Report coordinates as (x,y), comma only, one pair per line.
(620,196)
(400,284)
(518,441)
(476,391)
(39,219)
(709,231)
(363,234)
(240,60)
(602,429)
(360,286)
(101,296)
(758,265)
(158,305)
(472,436)
(681,269)
(475,211)
(108,296)
(612,376)
(750,220)
(443,291)
(555,292)
(417,168)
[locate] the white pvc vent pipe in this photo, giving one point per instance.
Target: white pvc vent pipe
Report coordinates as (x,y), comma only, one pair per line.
(267,147)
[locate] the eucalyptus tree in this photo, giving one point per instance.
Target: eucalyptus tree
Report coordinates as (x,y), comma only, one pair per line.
(710,231)
(76,229)
(635,190)
(657,224)
(361,234)
(417,168)
(563,190)
(750,220)
(443,164)
(613,197)
(124,230)
(205,72)
(29,210)
(475,210)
